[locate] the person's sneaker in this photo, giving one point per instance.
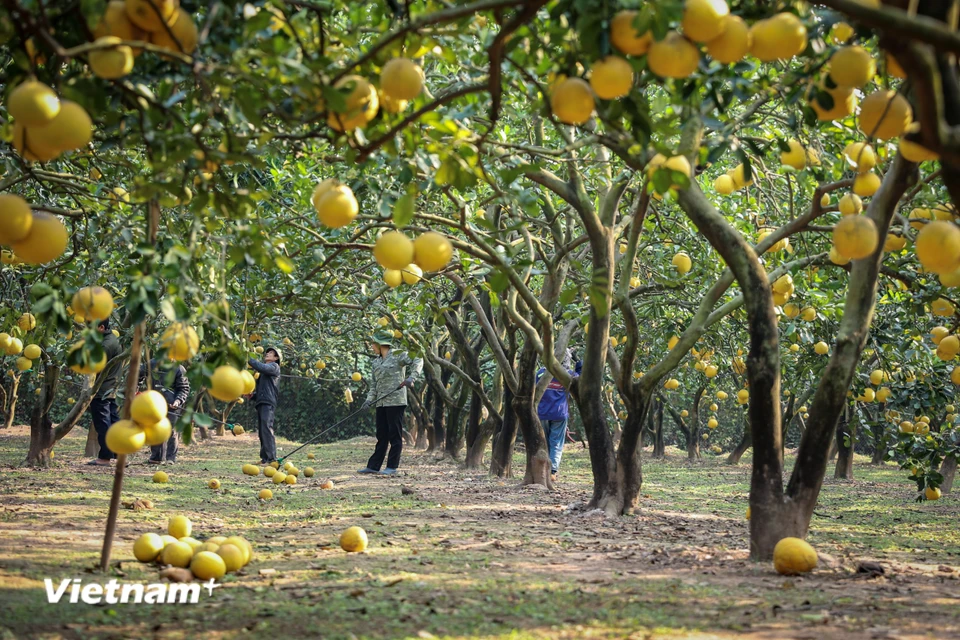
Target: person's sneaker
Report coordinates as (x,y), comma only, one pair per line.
(367,470)
(553,477)
(388,472)
(151,461)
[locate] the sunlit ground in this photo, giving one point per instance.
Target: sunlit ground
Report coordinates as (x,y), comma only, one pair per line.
(465,556)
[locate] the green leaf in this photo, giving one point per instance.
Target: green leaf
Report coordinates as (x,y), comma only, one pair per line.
(284,264)
(404,208)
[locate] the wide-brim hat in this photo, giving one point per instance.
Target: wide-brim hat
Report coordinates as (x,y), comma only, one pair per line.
(384,338)
(276,351)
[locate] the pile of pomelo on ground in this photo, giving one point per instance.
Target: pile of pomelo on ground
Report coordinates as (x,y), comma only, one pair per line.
(207,560)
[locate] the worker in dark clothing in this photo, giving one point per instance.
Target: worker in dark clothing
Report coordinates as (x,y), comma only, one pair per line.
(103,406)
(265,400)
(170,379)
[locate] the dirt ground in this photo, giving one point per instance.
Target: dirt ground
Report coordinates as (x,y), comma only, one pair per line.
(455,554)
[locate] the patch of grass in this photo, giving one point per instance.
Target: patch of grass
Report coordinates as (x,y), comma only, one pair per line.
(463,555)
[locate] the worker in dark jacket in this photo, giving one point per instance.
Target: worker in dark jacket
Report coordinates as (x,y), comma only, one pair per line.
(103,406)
(265,400)
(170,379)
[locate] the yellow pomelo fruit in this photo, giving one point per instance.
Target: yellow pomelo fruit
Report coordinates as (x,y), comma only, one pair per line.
(739,176)
(852,67)
(844,103)
(213,483)
(743,396)
(855,237)
(112,63)
(125,436)
(115,22)
(876,377)
(71,129)
(703,19)
(711,371)
(938,334)
(678,163)
(269,471)
(412,273)
(161,477)
(808,314)
(321,190)
(721,395)
(724,185)
(179,526)
(919,214)
(16,218)
(682,263)
(207,565)
(866,184)
(883,394)
(860,156)
(356,377)
(178,554)
(793,556)
(180,341)
(894,68)
(796,157)
(92,303)
(932,493)
(14,346)
(308,472)
(673,57)
(23,364)
(279,477)
(337,207)
(783,284)
(362,104)
(841,32)
(244,546)
(266,494)
(942,307)
(571,101)
(624,36)
(778,38)
(249,382)
(393,278)
(150,15)
(938,247)
(33,104)
(89,368)
(231,554)
(401,79)
(311,456)
(226,383)
(611,77)
(45,242)
(885,114)
(393,250)
(193,542)
(353,539)
(147,547)
(850,204)
(712,423)
(432,251)
(390,105)
(290,479)
(250,470)
(32,352)
(955,376)
(821,348)
(733,44)
(894,242)
(158,432)
(791,311)
(208,546)
(185,35)
(672,384)
(951,279)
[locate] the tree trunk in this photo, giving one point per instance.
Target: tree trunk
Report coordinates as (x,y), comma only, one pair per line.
(92,447)
(439,424)
(453,441)
(501,461)
(659,449)
(846,439)
(537,470)
(746,440)
(41,438)
(12,407)
(948,470)
(693,432)
(879,445)
(477,447)
(409,430)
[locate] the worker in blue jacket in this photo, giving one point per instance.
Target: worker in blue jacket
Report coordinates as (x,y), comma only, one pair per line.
(554,411)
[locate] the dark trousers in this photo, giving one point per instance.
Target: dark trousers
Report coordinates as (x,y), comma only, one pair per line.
(168,450)
(268,442)
(104,413)
(389,432)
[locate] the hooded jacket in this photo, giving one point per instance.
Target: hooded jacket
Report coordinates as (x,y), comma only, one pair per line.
(554,404)
(267,389)
(111,345)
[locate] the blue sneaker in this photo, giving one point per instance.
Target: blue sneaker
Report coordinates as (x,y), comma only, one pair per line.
(367,470)
(388,472)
